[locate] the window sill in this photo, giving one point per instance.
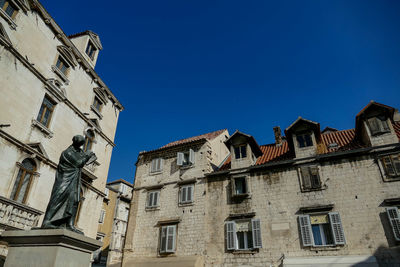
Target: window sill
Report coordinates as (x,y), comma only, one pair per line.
(380,133)
(244,251)
(326,248)
(391,179)
(98,113)
(186,204)
(42,128)
(60,74)
(155,173)
(244,195)
(185,167)
(8,19)
(313,190)
(166,254)
(152,208)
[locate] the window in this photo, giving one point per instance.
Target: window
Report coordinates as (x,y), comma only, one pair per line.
(152,199)
(310,178)
(240,152)
(156,165)
(97,104)
(186,194)
(89,139)
(46,111)
(123,188)
(102,216)
(24,180)
(4,39)
(9,8)
(243,234)
(378,125)
(239,186)
(394,219)
(304,140)
(321,230)
(90,50)
(167,239)
(106,191)
(62,65)
(185,158)
(391,164)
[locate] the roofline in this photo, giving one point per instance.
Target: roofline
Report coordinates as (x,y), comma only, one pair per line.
(173,146)
(120,181)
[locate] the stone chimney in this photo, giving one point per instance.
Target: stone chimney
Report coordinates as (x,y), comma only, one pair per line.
(278,135)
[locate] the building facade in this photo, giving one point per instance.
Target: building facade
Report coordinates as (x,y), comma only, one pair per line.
(49,93)
(313,198)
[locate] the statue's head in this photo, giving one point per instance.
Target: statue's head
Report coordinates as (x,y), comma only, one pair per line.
(78,141)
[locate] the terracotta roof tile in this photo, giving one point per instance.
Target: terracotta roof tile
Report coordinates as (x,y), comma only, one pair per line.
(207,136)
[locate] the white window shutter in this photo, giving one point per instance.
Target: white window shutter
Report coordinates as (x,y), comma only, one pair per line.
(183,194)
(256,229)
(180,159)
(153,165)
(337,228)
(156,198)
(230,235)
(189,193)
(306,231)
(150,199)
(161,164)
(163,239)
(394,219)
(171,231)
(191,156)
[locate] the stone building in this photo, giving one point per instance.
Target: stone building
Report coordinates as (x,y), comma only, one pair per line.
(49,93)
(313,198)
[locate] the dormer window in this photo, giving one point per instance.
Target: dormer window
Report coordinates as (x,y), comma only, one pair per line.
(61,65)
(91,50)
(304,139)
(378,125)
(240,152)
(8,8)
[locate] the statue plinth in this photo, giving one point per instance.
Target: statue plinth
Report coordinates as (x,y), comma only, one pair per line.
(48,248)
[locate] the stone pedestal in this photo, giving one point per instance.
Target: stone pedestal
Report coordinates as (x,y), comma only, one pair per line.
(48,248)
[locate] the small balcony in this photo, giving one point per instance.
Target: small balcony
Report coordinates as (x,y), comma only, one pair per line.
(14,215)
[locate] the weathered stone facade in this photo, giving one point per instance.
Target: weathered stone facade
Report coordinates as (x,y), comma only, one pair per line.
(49,93)
(310,199)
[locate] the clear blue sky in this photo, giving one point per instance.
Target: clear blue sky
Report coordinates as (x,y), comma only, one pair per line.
(183,68)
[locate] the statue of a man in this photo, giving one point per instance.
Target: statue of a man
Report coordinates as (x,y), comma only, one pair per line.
(65,196)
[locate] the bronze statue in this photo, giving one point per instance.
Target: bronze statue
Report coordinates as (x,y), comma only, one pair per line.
(65,196)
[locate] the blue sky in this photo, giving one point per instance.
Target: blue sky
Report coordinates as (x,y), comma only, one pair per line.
(183,68)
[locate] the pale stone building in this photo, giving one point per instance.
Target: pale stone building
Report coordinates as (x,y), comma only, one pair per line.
(49,93)
(312,198)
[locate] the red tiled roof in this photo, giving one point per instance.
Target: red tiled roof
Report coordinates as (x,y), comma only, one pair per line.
(344,140)
(207,136)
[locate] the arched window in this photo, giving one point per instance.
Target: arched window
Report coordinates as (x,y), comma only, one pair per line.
(89,139)
(24,180)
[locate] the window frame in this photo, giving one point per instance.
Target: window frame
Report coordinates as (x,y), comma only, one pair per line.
(304,139)
(167,250)
(186,159)
(231,235)
(239,150)
(381,123)
(181,190)
(306,173)
(388,176)
(20,178)
(44,110)
(233,186)
(394,220)
(93,50)
(153,165)
(148,197)
(89,141)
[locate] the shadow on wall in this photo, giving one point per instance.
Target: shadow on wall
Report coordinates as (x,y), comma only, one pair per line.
(385,256)
(2,260)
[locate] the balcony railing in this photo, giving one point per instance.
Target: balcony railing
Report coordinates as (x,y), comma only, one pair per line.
(14,215)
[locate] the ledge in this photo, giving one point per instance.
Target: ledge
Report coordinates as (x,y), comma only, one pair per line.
(8,19)
(96,112)
(392,201)
(317,208)
(189,181)
(20,205)
(242,215)
(326,248)
(152,187)
(42,128)
(249,251)
(60,74)
(169,221)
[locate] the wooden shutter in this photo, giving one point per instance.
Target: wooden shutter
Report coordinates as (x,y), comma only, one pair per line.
(183,194)
(153,165)
(306,231)
(315,179)
(389,168)
(161,164)
(171,233)
(191,156)
(156,196)
(163,239)
(189,195)
(396,163)
(149,199)
(180,159)
(384,123)
(256,229)
(305,176)
(394,220)
(373,125)
(230,235)
(337,228)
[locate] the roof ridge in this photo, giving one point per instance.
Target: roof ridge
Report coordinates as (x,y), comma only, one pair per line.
(192,138)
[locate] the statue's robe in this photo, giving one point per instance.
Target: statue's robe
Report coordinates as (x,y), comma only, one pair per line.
(65,195)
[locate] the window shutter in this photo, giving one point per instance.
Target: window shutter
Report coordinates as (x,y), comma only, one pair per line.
(191,156)
(161,164)
(305,176)
(394,219)
(189,193)
(256,229)
(180,159)
(385,125)
(315,181)
(373,125)
(337,228)
(389,168)
(183,194)
(171,230)
(396,163)
(153,165)
(155,198)
(230,235)
(163,239)
(150,199)
(305,230)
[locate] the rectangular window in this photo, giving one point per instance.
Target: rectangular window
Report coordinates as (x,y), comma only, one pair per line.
(97,104)
(391,164)
(62,65)
(394,219)
(304,140)
(153,199)
(310,178)
(9,8)
(185,158)
(90,50)
(240,152)
(106,191)
(244,234)
(321,230)
(156,165)
(167,239)
(186,194)
(46,111)
(378,125)
(102,216)
(239,186)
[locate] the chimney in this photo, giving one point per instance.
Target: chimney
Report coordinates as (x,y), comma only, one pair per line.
(278,135)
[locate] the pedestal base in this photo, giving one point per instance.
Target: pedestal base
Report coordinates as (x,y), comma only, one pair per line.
(48,248)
